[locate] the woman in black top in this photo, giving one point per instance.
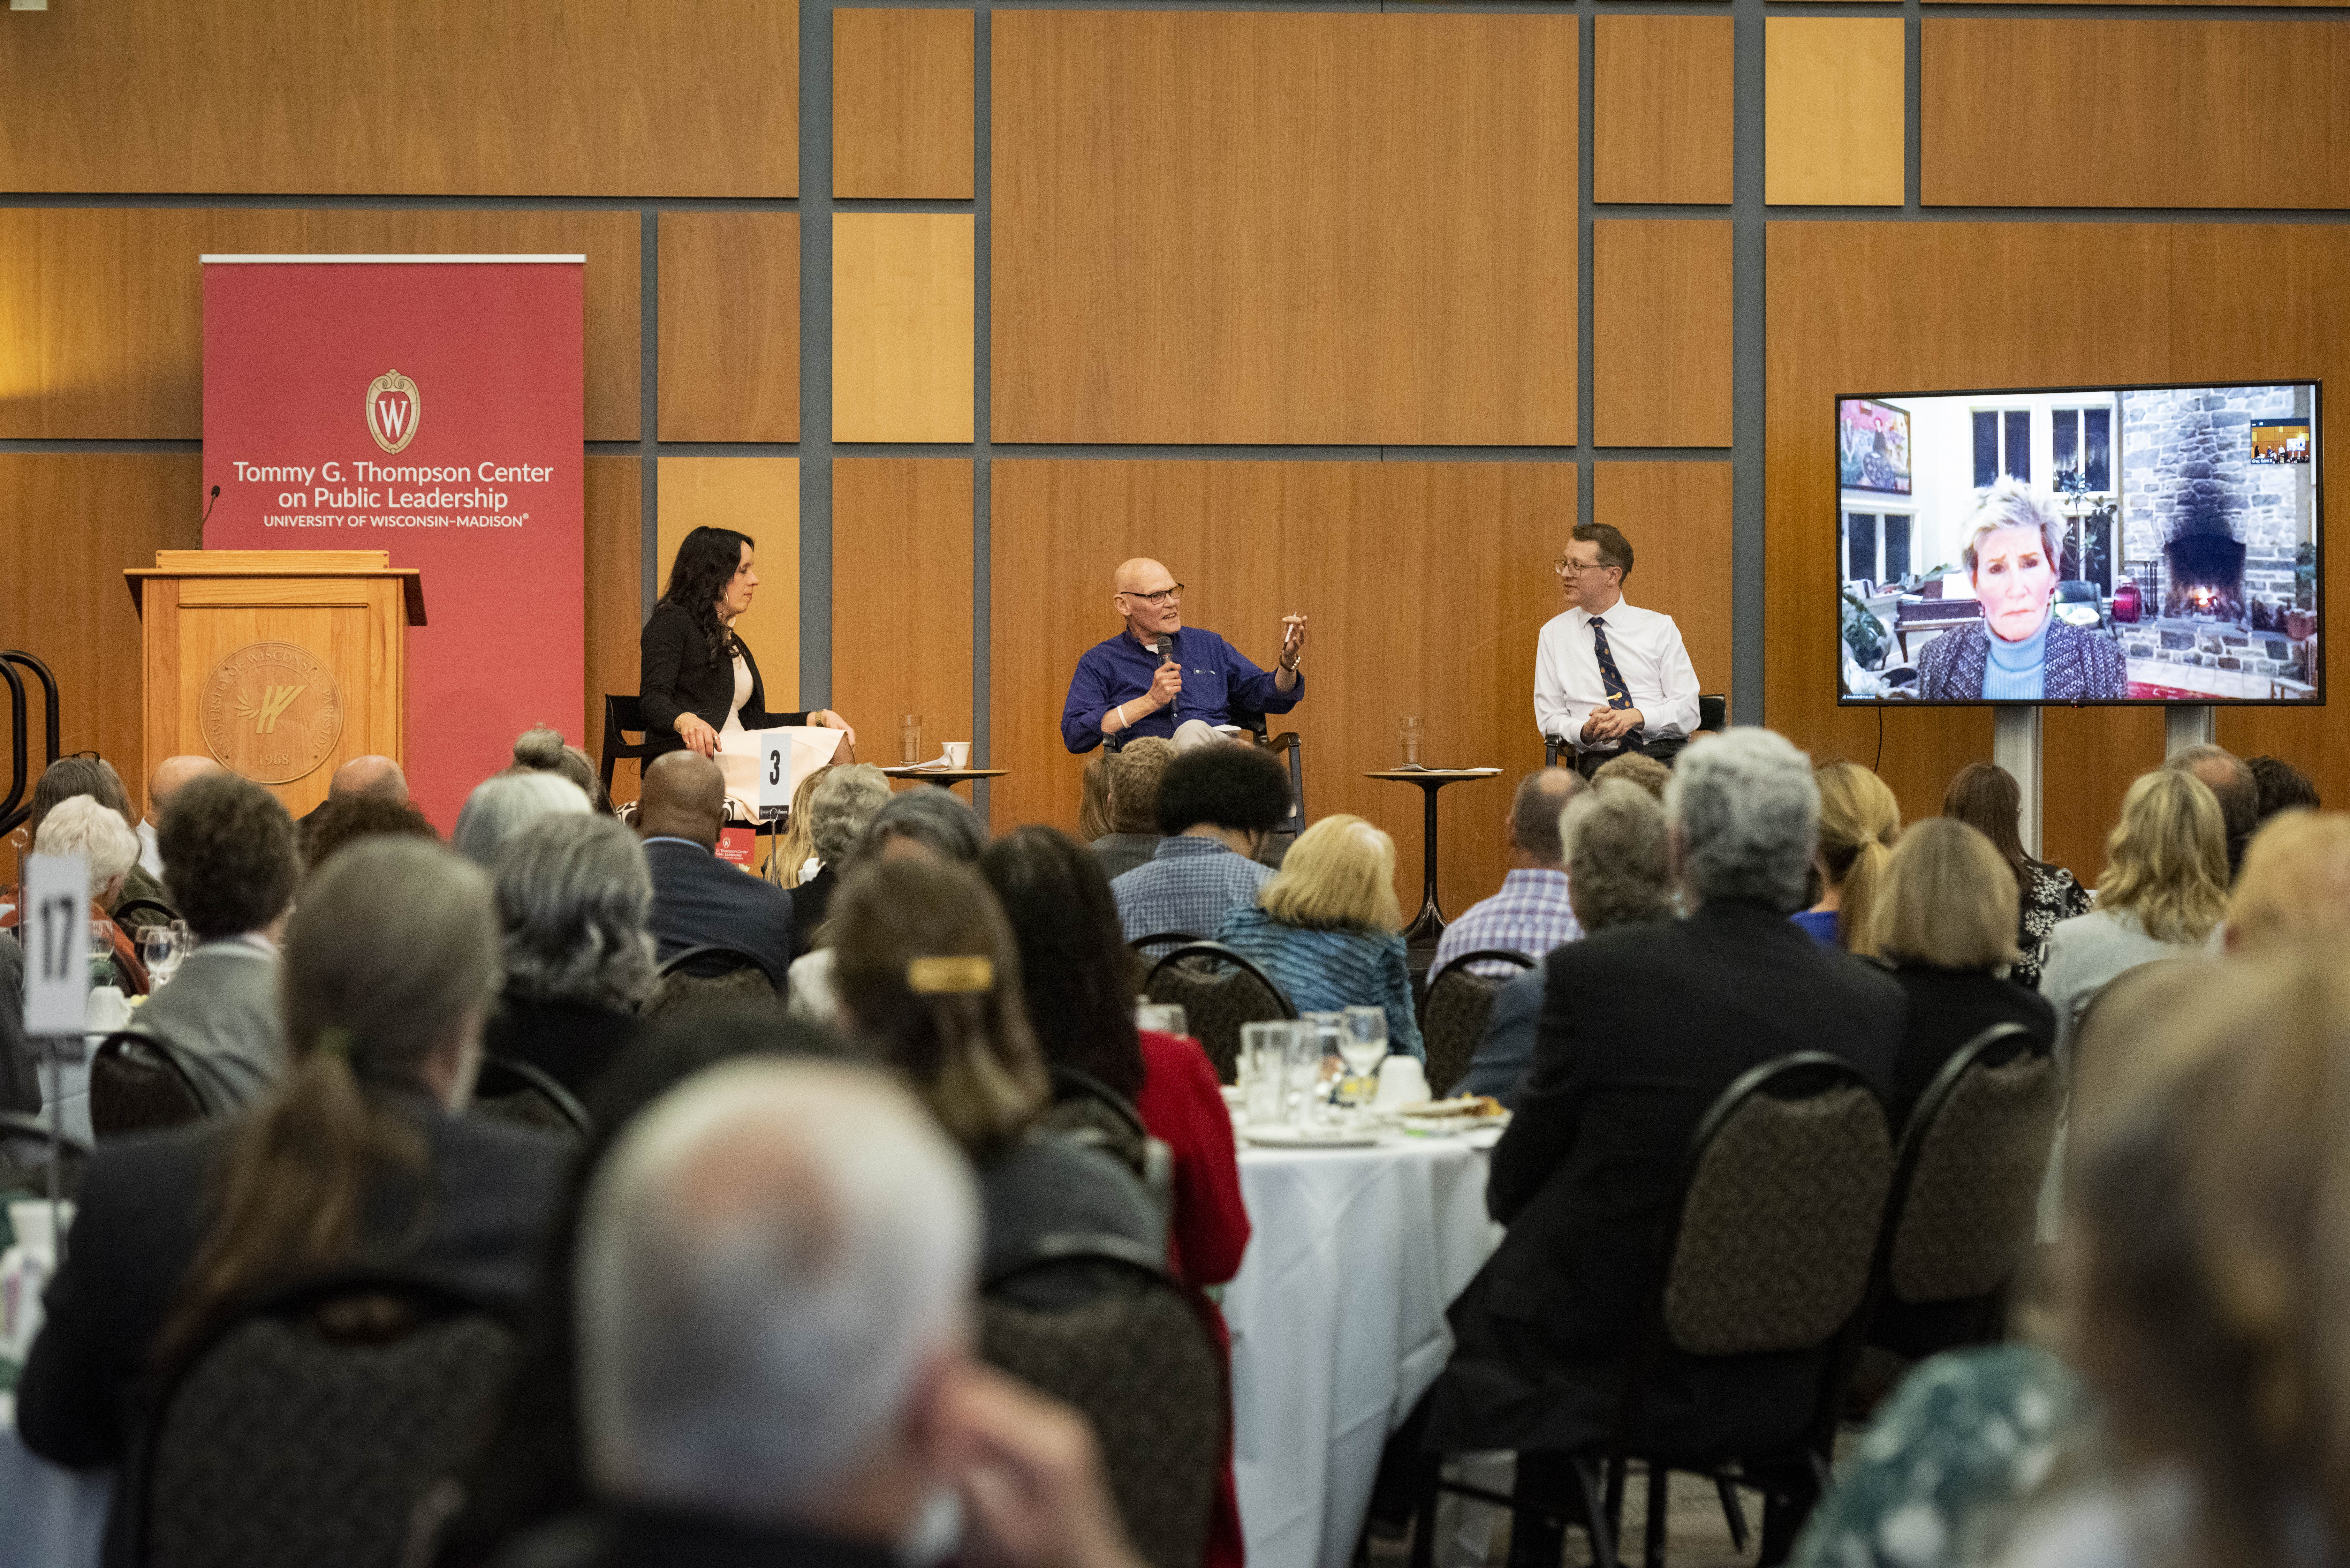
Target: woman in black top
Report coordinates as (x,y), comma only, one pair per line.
(1985,797)
(691,660)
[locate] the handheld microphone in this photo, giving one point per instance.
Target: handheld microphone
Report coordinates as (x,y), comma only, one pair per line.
(208,515)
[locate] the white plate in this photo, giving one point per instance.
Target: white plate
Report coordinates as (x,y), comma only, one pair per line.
(1300,1138)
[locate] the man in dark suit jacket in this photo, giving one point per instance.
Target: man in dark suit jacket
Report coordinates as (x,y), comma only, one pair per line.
(698,899)
(1642,1029)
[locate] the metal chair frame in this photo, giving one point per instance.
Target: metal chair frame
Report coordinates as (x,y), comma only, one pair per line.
(1140,943)
(1461,965)
(673,965)
(165,1053)
(13,810)
(539,1081)
(1224,954)
(622,712)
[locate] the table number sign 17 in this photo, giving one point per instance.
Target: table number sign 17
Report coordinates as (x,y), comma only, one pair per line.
(55,924)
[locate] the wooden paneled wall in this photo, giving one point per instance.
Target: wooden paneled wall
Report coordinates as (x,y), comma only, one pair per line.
(730,327)
(903,601)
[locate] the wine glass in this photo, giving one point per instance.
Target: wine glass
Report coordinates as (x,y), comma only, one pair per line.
(1363,1041)
(159,946)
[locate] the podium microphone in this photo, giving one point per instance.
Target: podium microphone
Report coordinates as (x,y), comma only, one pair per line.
(208,515)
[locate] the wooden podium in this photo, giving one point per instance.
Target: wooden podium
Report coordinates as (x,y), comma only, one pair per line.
(282,664)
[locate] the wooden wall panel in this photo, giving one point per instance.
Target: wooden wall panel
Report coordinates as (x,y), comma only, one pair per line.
(759,497)
(102,308)
(1677,516)
(1662,88)
(904,337)
(537,98)
(902,600)
(1284,227)
(1836,124)
(730,327)
(2160,113)
(614,554)
(902,121)
(69,527)
(1661,334)
(1256,540)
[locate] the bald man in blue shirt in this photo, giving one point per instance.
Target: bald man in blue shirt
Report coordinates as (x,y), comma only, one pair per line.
(1157,674)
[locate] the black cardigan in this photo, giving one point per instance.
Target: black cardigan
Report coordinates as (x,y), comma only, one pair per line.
(678,676)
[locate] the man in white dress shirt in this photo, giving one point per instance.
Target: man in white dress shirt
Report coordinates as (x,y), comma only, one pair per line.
(1610,678)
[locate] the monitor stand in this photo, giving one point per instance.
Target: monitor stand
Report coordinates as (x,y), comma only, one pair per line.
(2186,724)
(2015,746)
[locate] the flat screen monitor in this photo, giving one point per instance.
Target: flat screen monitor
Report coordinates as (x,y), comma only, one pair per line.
(2080,545)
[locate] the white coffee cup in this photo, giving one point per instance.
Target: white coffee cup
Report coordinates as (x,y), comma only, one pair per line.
(957,753)
(1402,1081)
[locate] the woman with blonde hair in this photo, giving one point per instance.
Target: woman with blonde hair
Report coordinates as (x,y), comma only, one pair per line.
(1328,930)
(1859,824)
(2162,892)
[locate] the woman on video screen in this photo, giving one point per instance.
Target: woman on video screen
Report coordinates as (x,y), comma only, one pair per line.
(2018,652)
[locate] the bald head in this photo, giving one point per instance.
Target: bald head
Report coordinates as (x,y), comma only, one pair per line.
(370,778)
(1144,617)
(168,775)
(1533,817)
(684,796)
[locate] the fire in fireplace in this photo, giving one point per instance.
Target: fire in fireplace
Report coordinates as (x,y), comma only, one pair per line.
(2206,571)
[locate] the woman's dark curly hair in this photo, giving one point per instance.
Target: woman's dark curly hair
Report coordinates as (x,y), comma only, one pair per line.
(705,564)
(1082,979)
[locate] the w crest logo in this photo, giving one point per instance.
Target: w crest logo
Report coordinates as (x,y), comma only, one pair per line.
(265,714)
(393,407)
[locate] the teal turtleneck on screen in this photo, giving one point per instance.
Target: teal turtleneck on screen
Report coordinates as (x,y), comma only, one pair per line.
(2017,670)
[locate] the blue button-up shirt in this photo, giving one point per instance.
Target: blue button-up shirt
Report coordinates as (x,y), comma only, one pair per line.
(1217,682)
(1530,915)
(1189,884)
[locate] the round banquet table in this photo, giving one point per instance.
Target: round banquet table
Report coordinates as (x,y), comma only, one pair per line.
(1337,1325)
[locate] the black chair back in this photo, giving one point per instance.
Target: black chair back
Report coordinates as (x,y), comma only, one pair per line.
(306,1428)
(1453,1017)
(1142,945)
(138,1083)
(621,713)
(29,1146)
(710,975)
(518,1091)
(1218,990)
(14,810)
(1090,1113)
(137,914)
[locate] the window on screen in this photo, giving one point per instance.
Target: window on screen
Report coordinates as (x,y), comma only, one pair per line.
(2083,440)
(2002,445)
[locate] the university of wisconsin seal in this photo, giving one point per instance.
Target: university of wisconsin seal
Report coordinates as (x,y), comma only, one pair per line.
(271,712)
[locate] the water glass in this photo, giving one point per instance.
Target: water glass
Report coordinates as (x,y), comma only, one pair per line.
(1263,1070)
(1409,734)
(1303,1055)
(1363,1039)
(1161,1018)
(101,938)
(159,946)
(909,740)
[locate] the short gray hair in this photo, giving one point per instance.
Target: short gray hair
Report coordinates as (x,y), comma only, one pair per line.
(80,825)
(1618,871)
(500,805)
(842,801)
(1748,814)
(574,894)
(2011,503)
(935,818)
(767,1262)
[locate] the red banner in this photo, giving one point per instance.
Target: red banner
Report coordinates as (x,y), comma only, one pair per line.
(432,407)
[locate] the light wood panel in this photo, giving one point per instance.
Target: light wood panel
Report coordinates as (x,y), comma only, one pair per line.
(759,497)
(730,327)
(1427,583)
(1661,333)
(903,332)
(1677,516)
(102,308)
(1834,125)
(613,555)
(902,600)
(539,98)
(1284,227)
(2150,113)
(1662,89)
(902,121)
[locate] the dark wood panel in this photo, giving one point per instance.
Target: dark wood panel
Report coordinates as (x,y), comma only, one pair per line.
(2143,113)
(613,527)
(730,327)
(1677,516)
(902,121)
(1661,334)
(1662,88)
(1284,227)
(902,600)
(525,98)
(102,307)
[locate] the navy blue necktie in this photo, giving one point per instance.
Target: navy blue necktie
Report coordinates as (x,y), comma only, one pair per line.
(1609,676)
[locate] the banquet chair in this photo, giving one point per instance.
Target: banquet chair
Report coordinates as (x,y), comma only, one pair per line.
(1751,1326)
(306,1428)
(1452,1018)
(1966,1193)
(138,1083)
(515,1091)
(1142,945)
(1287,742)
(621,713)
(1712,715)
(27,1145)
(135,915)
(1089,1113)
(1218,990)
(1096,1322)
(710,974)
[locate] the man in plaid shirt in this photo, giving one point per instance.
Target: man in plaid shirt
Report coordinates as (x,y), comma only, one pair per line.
(1530,915)
(1217,806)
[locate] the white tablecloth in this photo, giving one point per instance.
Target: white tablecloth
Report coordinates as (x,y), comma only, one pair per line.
(50,1517)
(1337,1326)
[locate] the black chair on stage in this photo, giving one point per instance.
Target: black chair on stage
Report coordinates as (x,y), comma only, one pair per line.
(622,713)
(1712,713)
(140,1083)
(1453,1017)
(1218,990)
(1287,742)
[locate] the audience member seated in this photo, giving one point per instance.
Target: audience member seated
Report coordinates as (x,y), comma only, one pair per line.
(2296,883)
(20,1082)
(1531,913)
(844,798)
(2281,786)
(2162,892)
(91,776)
(1325,927)
(1217,807)
(1618,874)
(1080,983)
(340,823)
(161,785)
(502,803)
(1644,1028)
(1859,824)
(370,777)
(228,858)
(102,836)
(1130,806)
(929,980)
(774,1276)
(1946,924)
(542,749)
(700,900)
(1986,797)
(923,823)
(572,896)
(1093,797)
(358,1158)
(1633,767)
(2232,785)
